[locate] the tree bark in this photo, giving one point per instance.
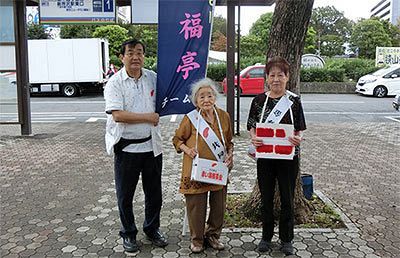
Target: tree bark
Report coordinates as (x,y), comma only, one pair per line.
(288,33)
(287,38)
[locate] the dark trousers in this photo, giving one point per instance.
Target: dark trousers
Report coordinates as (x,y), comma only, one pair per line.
(285,171)
(127,168)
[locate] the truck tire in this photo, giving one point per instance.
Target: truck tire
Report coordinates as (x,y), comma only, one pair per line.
(70,90)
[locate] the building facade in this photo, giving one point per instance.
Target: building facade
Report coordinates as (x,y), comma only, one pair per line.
(387,10)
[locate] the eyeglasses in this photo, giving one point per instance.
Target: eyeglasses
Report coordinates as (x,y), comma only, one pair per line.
(131,54)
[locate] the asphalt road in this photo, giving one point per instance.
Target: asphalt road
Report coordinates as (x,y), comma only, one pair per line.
(319,108)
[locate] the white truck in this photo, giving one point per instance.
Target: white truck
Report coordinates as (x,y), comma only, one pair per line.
(69,66)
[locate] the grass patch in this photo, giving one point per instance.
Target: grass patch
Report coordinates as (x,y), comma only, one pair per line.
(323,216)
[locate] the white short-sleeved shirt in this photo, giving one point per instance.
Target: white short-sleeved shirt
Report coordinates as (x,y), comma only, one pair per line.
(139,96)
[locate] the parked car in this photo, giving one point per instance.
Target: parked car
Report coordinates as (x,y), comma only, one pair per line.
(251,80)
(396,102)
(384,82)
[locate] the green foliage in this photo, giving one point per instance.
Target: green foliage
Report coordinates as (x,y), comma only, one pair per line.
(250,46)
(244,62)
(219,24)
(216,72)
(115,35)
(332,30)
(322,75)
(261,29)
(147,34)
(150,62)
(393,32)
(310,42)
(331,45)
(115,61)
(353,68)
(218,36)
(336,70)
(37,32)
(328,20)
(367,35)
(76,31)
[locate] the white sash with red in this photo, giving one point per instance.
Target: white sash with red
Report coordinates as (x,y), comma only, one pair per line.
(205,170)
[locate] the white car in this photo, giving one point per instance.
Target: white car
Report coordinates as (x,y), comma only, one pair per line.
(384,82)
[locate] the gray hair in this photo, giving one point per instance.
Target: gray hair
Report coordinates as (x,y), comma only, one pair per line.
(203,83)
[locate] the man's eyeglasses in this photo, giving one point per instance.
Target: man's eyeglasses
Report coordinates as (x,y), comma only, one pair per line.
(131,54)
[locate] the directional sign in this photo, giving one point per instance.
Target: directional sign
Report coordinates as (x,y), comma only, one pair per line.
(77,11)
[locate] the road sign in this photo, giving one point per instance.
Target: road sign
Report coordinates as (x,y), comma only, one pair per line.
(77,11)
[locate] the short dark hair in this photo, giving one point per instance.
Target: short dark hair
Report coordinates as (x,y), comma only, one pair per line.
(131,43)
(279,62)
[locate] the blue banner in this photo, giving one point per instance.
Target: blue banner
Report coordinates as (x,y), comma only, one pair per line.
(184,29)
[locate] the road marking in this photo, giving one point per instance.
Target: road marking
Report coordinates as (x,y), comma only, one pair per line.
(331,102)
(346,113)
(94,119)
(173,118)
(60,118)
(47,122)
(60,113)
(67,102)
(396,119)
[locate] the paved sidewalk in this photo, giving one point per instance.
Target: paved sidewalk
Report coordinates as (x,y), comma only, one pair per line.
(58,200)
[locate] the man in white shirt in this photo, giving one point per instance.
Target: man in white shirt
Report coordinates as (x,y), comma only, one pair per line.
(133,134)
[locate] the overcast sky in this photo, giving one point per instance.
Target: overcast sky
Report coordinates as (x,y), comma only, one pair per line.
(352,9)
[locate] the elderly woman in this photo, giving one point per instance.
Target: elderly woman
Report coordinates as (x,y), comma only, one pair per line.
(270,170)
(204,96)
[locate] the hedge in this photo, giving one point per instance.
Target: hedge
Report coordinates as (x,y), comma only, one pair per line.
(321,75)
(335,70)
(217,72)
(354,68)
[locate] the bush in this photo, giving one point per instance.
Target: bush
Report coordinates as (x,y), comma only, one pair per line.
(353,68)
(150,63)
(115,61)
(244,62)
(321,75)
(216,72)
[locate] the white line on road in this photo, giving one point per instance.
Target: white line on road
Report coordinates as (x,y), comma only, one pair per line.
(346,113)
(60,118)
(94,119)
(67,102)
(47,122)
(103,102)
(396,119)
(60,113)
(331,102)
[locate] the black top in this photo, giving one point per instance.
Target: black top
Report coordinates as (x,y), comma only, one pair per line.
(257,106)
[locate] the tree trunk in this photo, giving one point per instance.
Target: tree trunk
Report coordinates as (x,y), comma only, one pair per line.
(288,33)
(287,38)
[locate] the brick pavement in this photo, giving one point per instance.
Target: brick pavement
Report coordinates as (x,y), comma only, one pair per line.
(58,200)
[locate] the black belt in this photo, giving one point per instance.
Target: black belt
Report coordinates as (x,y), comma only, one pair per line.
(118,147)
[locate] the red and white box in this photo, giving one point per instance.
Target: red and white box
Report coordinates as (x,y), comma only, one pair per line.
(276,143)
(209,171)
